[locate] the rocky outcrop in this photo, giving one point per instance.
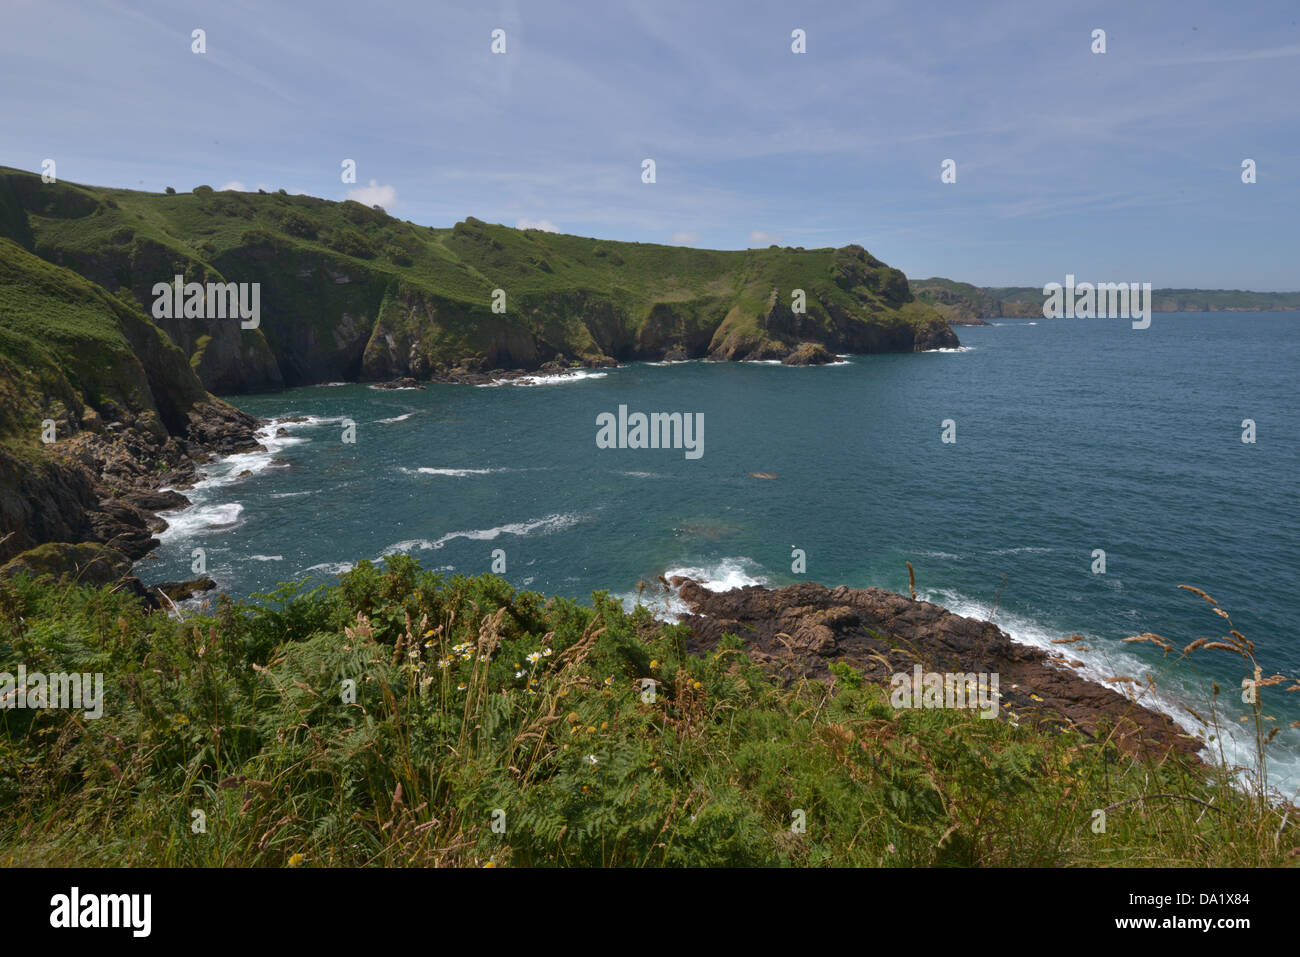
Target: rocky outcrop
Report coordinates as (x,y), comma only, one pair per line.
(808,354)
(799,630)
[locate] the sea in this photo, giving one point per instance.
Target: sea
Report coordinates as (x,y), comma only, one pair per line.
(1058,477)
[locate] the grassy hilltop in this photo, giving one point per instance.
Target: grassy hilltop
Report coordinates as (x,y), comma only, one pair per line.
(350,292)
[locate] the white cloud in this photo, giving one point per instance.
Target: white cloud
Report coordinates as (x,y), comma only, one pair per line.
(684,238)
(235,185)
(545,225)
(374,195)
(760,238)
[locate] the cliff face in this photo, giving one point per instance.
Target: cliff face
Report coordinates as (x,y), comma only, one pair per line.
(98,409)
(348,292)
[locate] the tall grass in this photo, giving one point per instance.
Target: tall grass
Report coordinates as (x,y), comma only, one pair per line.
(401,719)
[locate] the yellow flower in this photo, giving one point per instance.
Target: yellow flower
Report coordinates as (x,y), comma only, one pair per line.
(295,860)
(654,664)
(490,864)
(604,726)
(696,685)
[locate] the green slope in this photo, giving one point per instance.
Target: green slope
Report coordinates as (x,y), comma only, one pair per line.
(348,291)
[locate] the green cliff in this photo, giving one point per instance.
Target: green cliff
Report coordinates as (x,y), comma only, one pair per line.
(349,292)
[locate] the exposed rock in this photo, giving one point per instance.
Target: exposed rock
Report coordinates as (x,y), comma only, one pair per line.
(88,563)
(809,354)
(796,631)
(179,591)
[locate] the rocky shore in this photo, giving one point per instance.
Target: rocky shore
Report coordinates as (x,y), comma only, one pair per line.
(90,508)
(799,630)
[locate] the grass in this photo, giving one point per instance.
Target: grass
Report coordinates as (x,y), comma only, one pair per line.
(403,719)
(354,276)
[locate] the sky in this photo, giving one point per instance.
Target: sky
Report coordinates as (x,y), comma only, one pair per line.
(1122,166)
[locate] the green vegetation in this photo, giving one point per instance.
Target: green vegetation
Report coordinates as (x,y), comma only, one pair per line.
(472,698)
(351,292)
(962,302)
(71,352)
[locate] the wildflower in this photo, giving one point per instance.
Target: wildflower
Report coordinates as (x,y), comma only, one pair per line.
(1035,697)
(296,859)
(490,864)
(604,726)
(519,674)
(609,681)
(592,759)
(444,662)
(696,685)
(461,686)
(654,664)
(891,849)
(546,652)
(467,656)
(428,644)
(535,657)
(591,729)
(482,657)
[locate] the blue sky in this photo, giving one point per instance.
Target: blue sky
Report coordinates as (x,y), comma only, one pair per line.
(1123,166)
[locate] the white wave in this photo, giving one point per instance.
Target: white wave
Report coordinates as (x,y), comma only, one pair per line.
(266,558)
(293,494)
(531,380)
(329,385)
(394,388)
(198,518)
(332,568)
(1108,659)
(453,473)
(958,349)
(945,555)
(396,418)
(667,604)
(645,475)
(551,523)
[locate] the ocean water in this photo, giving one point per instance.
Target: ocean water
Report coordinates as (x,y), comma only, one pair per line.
(1071,436)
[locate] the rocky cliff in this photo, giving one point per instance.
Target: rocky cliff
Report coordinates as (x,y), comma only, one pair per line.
(348,292)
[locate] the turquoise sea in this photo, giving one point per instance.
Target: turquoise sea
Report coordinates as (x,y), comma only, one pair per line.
(1071,436)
